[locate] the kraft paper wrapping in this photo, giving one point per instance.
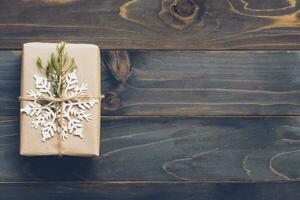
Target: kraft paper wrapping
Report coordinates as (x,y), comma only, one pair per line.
(87,58)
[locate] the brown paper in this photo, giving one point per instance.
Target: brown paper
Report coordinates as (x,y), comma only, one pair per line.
(87,58)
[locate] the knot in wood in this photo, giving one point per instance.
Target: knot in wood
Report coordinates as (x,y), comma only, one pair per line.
(179,14)
(111,101)
(184,8)
(120,65)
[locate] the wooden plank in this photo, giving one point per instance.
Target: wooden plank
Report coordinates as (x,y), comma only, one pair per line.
(168,148)
(150,191)
(153,24)
(184,83)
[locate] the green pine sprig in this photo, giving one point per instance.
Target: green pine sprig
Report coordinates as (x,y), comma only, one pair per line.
(58,65)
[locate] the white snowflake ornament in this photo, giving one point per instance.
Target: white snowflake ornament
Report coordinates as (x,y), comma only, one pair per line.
(54,115)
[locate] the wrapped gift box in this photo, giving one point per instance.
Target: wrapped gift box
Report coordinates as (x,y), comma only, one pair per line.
(81,136)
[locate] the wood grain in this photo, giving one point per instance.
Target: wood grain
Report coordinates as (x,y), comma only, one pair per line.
(168,149)
(158,140)
(153,24)
(150,191)
(183,83)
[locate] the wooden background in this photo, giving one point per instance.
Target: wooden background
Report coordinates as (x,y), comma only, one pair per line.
(202,99)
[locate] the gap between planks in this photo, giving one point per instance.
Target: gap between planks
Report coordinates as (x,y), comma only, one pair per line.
(15,118)
(145,182)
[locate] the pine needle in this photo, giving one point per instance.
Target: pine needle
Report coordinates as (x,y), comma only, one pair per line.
(58,65)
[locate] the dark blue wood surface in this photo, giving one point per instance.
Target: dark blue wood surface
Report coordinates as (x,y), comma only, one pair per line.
(202,124)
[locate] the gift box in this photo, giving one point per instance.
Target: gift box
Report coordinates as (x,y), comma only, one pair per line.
(60,100)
